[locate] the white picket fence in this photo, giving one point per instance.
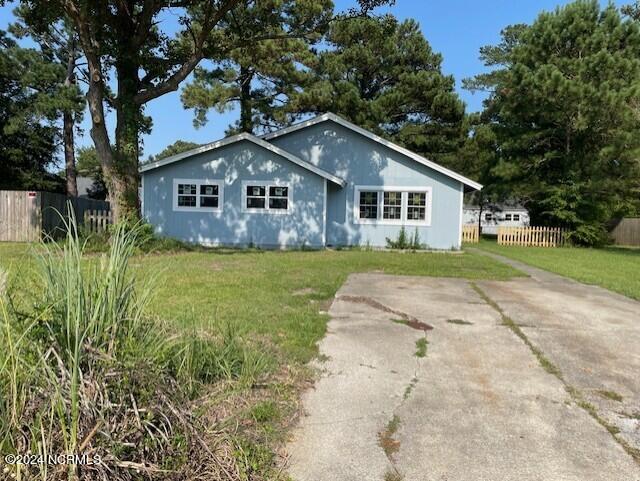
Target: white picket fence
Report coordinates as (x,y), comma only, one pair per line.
(97,220)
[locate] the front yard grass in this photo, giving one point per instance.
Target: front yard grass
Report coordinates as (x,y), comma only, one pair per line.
(614,268)
(274,301)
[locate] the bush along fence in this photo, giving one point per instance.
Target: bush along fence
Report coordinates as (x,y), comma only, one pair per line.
(470,234)
(97,220)
(532,236)
(27,216)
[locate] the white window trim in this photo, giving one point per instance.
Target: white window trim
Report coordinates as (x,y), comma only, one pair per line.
(403,217)
(198,182)
(266,184)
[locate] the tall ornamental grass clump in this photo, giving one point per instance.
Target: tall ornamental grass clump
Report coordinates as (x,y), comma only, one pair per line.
(88,372)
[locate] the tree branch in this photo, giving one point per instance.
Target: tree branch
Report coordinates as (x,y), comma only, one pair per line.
(173,81)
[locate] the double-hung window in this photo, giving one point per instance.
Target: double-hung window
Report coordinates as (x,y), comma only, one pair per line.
(266,197)
(392,205)
(197,195)
(417,206)
(368,204)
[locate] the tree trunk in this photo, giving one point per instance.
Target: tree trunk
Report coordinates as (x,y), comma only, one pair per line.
(246,117)
(69,154)
(68,123)
(129,117)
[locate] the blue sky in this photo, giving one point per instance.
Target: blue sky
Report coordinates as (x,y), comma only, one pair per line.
(455,28)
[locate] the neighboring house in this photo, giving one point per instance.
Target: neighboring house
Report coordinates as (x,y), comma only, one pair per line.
(496,215)
(84,185)
(323,182)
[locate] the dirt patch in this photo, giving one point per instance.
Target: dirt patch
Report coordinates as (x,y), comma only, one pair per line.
(386,441)
(306,291)
(405,318)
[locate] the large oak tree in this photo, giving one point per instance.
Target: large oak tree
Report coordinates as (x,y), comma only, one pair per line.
(134,57)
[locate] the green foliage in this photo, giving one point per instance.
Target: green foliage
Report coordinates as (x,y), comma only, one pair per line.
(88,356)
(404,241)
(261,75)
(563,108)
(31,96)
(383,75)
(178,147)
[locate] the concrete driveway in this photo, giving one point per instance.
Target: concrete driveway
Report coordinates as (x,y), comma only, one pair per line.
(531,379)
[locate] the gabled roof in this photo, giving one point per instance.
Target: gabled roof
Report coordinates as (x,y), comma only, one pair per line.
(250,138)
(339,120)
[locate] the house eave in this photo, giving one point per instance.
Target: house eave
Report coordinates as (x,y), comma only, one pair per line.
(469,184)
(237,138)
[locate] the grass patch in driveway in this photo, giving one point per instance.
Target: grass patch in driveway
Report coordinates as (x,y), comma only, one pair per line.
(614,396)
(460,322)
(389,445)
(421,347)
(614,268)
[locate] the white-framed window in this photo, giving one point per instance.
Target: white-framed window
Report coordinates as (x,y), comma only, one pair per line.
(488,217)
(392,205)
(507,217)
(516,217)
(266,197)
(198,195)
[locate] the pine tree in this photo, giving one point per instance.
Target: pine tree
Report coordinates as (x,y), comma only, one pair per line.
(383,75)
(32,95)
(261,76)
(564,108)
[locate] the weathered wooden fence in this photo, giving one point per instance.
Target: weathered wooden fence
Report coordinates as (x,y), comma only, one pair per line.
(97,220)
(531,236)
(626,232)
(25,216)
(470,233)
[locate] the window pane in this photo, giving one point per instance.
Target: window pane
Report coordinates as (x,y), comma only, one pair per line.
(516,216)
(487,217)
(207,201)
(187,189)
(368,212)
(391,212)
(278,203)
(186,200)
(369,198)
(507,217)
(256,190)
(393,198)
(417,199)
(255,203)
(275,191)
(416,213)
(209,190)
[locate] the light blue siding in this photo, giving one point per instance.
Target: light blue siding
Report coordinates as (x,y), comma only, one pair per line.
(362,161)
(235,163)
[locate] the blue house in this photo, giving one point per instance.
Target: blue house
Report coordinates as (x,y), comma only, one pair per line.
(323,182)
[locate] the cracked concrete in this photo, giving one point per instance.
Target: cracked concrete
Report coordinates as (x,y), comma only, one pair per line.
(482,407)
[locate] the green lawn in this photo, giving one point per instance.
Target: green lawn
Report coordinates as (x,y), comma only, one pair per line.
(276,302)
(272,294)
(614,268)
